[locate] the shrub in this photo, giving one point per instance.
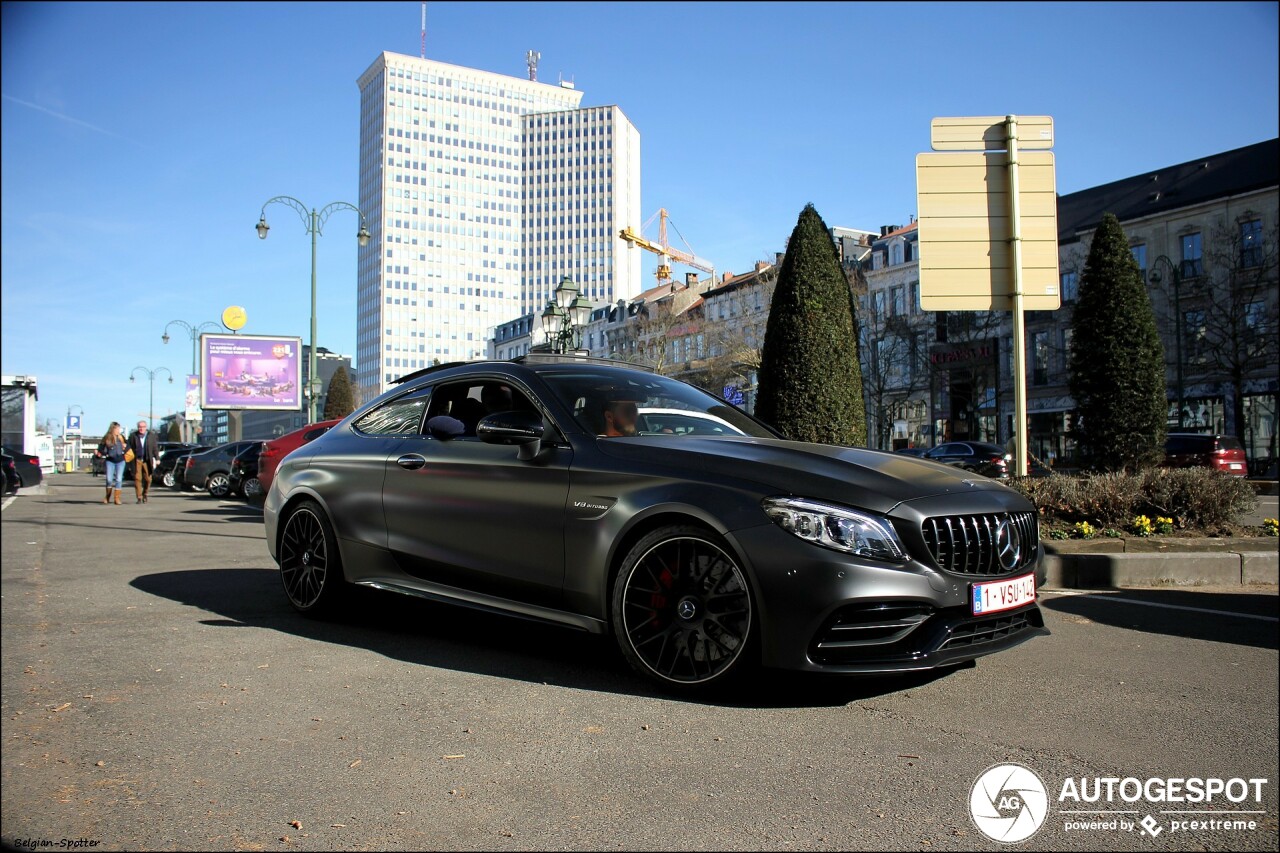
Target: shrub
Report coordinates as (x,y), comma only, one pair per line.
(1195,497)
(1176,497)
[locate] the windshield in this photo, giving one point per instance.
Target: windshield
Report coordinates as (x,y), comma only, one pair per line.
(620,403)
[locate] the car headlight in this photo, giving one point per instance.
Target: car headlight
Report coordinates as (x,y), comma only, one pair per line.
(837,528)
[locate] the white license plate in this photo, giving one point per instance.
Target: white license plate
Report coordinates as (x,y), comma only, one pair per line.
(1236,466)
(1003,595)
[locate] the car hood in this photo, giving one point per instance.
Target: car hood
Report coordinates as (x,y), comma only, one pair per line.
(870,479)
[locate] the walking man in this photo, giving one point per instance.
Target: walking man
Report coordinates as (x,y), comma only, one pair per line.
(146,455)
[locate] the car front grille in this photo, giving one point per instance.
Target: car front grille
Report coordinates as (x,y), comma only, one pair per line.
(978,632)
(970,544)
(906,633)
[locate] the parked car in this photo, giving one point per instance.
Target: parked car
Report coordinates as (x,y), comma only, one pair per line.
(11,481)
(26,466)
(279,448)
(989,460)
(179,467)
(1223,453)
(702,555)
(170,452)
(210,470)
(243,476)
(912,451)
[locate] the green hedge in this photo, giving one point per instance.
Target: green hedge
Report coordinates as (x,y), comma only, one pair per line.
(1193,497)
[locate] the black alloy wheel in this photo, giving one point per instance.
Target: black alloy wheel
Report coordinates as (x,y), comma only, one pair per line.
(682,611)
(310,567)
(219,484)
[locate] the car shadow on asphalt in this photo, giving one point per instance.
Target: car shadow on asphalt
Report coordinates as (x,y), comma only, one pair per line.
(245,512)
(1239,618)
(428,634)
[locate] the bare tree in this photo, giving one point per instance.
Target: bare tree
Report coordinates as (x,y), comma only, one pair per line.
(1230,329)
(732,343)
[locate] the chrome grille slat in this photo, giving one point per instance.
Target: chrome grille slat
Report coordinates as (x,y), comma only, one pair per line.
(967,544)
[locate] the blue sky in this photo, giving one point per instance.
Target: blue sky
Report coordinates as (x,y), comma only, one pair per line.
(140,140)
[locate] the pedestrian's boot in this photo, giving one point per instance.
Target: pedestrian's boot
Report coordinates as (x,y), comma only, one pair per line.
(117,491)
(107,499)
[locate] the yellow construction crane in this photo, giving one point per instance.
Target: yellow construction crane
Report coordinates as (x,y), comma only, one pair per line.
(663,249)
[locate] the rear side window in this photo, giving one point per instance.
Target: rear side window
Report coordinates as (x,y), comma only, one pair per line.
(396,417)
(1229,442)
(1178,444)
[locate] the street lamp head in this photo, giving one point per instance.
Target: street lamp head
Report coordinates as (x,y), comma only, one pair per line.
(263,227)
(580,311)
(363,237)
(165,337)
(566,292)
(132,378)
(551,319)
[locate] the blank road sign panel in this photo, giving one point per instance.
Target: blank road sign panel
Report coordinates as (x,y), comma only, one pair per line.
(965,231)
(976,133)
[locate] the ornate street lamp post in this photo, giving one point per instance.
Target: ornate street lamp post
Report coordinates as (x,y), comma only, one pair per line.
(151,376)
(314,222)
(194,332)
(565,316)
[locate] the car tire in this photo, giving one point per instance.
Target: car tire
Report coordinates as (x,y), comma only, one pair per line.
(682,611)
(310,565)
(167,479)
(251,488)
(218,485)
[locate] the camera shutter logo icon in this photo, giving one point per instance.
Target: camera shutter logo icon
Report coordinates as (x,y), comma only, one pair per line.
(1008,803)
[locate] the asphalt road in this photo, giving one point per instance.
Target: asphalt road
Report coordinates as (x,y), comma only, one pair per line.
(159,693)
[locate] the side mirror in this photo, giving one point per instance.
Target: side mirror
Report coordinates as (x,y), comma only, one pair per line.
(524,429)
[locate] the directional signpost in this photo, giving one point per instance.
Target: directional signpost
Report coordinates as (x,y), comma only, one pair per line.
(988,228)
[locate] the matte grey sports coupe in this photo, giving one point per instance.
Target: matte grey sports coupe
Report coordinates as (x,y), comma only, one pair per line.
(610,499)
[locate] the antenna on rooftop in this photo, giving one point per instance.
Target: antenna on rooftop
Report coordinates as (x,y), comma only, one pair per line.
(531,59)
(424,30)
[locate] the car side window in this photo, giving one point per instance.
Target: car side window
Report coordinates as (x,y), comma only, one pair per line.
(398,416)
(473,400)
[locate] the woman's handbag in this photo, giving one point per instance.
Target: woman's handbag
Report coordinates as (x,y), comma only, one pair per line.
(128,455)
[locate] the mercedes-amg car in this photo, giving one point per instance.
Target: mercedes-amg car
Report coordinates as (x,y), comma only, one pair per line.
(569,490)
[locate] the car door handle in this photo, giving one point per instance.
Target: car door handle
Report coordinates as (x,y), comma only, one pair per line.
(411,461)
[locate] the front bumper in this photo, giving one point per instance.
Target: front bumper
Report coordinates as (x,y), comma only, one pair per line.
(823,611)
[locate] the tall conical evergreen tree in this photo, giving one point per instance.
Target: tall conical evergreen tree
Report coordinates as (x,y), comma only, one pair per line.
(1116,360)
(810,377)
(340,401)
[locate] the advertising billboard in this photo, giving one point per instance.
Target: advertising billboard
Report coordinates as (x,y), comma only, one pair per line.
(251,372)
(192,411)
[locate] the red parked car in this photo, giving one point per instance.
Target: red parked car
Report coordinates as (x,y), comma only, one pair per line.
(1195,450)
(275,450)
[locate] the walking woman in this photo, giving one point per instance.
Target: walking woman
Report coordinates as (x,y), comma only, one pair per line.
(112,450)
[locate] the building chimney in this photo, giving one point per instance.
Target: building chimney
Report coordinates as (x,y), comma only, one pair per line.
(761,266)
(777,258)
(728,275)
(690,279)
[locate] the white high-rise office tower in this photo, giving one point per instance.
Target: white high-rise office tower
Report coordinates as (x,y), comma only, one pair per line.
(481,192)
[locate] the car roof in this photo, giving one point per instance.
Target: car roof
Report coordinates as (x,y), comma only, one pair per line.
(536,362)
